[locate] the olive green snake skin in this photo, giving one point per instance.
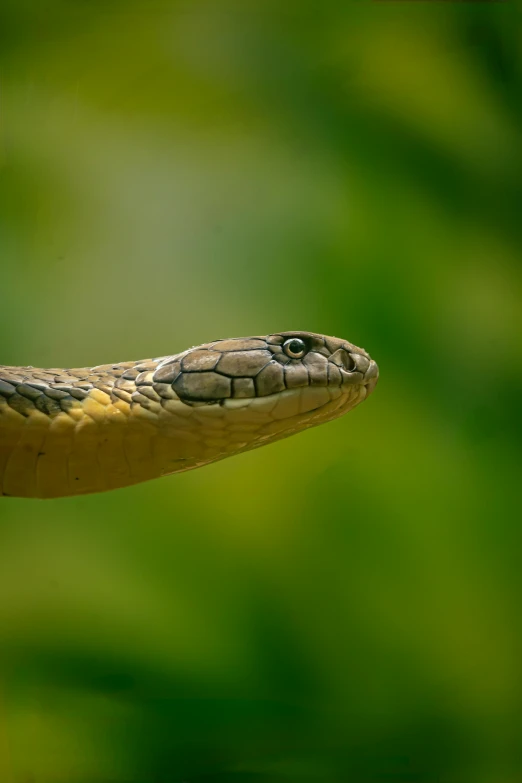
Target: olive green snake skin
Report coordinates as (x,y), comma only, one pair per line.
(74,431)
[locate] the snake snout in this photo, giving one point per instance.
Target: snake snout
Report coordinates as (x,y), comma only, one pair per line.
(357,368)
(371,377)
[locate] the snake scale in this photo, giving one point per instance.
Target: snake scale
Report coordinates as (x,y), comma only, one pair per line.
(75,431)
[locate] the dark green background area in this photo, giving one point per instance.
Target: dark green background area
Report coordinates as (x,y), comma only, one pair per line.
(344,605)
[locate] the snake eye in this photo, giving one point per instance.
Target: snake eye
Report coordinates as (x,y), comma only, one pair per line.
(294,348)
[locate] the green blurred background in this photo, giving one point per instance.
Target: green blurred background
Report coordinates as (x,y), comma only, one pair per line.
(344,605)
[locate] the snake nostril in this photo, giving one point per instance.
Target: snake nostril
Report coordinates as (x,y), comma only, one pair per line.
(344,360)
(349,363)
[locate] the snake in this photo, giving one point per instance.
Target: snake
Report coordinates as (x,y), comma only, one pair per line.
(74,431)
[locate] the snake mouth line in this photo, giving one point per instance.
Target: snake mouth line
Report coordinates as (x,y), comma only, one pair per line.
(290,404)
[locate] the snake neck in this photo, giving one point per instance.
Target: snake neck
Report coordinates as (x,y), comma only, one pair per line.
(82,430)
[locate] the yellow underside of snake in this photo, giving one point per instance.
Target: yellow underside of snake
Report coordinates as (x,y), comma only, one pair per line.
(74,431)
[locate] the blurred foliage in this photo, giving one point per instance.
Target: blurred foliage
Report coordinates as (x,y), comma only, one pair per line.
(342,606)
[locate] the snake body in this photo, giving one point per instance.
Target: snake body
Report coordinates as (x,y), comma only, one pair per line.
(75,431)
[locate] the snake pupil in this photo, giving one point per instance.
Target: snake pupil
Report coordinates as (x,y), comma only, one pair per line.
(294,348)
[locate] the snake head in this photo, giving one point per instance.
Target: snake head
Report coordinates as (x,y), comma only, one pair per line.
(266,388)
